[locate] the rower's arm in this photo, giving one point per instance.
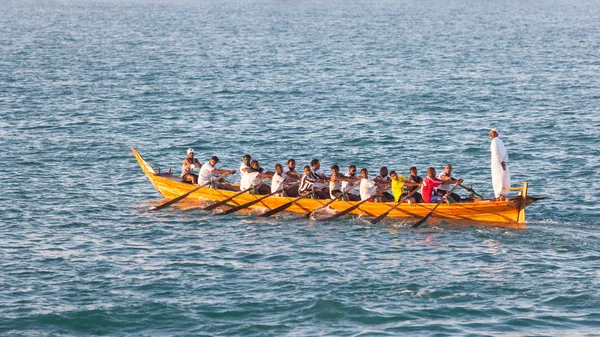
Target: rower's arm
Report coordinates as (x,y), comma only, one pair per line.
(218,171)
(266,175)
(293,175)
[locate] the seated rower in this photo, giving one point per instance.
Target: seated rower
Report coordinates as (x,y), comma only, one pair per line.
(398,182)
(253,178)
(319,177)
(208,171)
(308,183)
(290,172)
(448,178)
(187,169)
(245,165)
(412,183)
(383,177)
(279,182)
(429,183)
(335,183)
(368,186)
(348,186)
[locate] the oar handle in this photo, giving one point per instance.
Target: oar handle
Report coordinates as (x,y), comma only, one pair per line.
(470,190)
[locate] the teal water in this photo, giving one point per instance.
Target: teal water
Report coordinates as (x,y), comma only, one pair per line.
(398,83)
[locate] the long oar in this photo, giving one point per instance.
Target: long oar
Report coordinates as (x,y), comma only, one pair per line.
(287,205)
(183,196)
(309,214)
(248,204)
(471,190)
(382,216)
(223,202)
(284,206)
(420,222)
(349,209)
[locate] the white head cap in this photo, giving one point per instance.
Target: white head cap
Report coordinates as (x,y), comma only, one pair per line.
(495,130)
(190,150)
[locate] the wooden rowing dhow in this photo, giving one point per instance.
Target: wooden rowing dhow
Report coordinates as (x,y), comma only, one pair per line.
(508,213)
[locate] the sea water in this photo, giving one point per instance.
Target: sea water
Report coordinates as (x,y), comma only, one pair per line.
(369,83)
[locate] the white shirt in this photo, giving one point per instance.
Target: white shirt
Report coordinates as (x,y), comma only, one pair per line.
(206,173)
(277,182)
(249,179)
(445,187)
(347,184)
(242,168)
(367,188)
(335,185)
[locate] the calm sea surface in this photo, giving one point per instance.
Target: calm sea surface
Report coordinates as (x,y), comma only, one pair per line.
(371,83)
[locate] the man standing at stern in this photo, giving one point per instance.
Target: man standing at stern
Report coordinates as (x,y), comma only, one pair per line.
(500,173)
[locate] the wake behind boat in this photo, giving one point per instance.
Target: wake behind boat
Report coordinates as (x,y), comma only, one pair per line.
(507,213)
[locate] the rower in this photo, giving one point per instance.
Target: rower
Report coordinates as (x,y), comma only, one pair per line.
(347,186)
(397,182)
(187,169)
(429,183)
(414,182)
(383,177)
(279,182)
(208,171)
(319,177)
(290,172)
(448,178)
(252,178)
(308,184)
(335,183)
(368,186)
(245,165)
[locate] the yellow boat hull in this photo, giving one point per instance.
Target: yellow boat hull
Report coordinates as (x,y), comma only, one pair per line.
(510,213)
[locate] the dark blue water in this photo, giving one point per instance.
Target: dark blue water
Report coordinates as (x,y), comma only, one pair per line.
(396,83)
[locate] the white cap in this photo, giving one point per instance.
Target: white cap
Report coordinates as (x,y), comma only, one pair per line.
(190,150)
(495,130)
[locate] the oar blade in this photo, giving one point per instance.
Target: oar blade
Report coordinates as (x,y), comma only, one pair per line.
(344,212)
(420,222)
(381,217)
(168,203)
(277,210)
(172,201)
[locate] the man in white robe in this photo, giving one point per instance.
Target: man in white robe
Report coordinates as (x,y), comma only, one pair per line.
(500,172)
